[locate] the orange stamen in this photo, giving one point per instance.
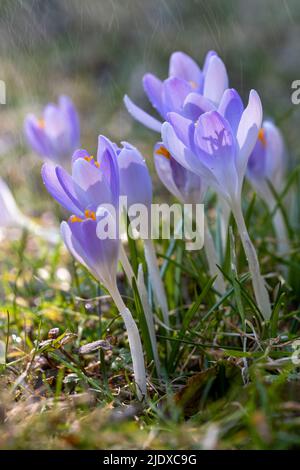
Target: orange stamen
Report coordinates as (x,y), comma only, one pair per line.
(262,136)
(90,214)
(74,218)
(164,152)
(41,123)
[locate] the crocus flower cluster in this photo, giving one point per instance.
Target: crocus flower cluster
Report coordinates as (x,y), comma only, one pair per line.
(209,139)
(55,135)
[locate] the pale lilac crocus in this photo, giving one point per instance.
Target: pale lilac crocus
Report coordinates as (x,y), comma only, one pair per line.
(89,193)
(136,185)
(217,146)
(267,163)
(185,78)
(56,134)
(188,188)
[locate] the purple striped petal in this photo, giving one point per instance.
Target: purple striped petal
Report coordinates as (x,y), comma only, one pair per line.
(175,90)
(183,127)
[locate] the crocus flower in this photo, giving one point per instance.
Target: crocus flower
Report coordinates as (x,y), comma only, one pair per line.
(12,216)
(267,163)
(136,185)
(55,135)
(185,78)
(86,194)
(188,188)
(217,146)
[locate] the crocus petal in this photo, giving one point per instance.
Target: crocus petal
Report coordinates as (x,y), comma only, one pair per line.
(153,89)
(79,153)
(72,120)
(164,171)
(247,131)
(10,213)
(217,149)
(53,186)
(208,56)
(72,243)
(175,90)
(183,66)
(180,152)
(135,181)
(231,107)
(275,149)
(141,116)
(183,127)
(216,79)
(36,137)
(91,187)
(195,105)
(108,160)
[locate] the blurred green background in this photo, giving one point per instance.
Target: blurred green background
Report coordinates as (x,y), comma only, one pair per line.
(97,50)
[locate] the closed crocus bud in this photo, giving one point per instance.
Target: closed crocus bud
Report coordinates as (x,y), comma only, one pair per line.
(185,185)
(185,77)
(56,134)
(267,162)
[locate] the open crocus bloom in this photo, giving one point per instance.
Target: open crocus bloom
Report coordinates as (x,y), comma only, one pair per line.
(185,77)
(184,184)
(266,162)
(218,142)
(94,183)
(56,135)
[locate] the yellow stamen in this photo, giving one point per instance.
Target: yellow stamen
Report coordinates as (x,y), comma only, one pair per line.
(91,158)
(262,136)
(164,152)
(90,214)
(74,218)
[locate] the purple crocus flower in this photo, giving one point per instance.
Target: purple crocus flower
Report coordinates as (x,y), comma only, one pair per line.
(267,161)
(94,184)
(216,145)
(184,184)
(267,164)
(56,134)
(185,78)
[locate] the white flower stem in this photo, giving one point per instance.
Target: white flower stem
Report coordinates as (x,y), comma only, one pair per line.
(149,316)
(140,282)
(126,264)
(156,281)
(212,259)
(260,291)
(135,343)
(224,219)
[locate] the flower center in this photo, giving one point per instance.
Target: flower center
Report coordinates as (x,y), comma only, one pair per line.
(41,123)
(262,136)
(164,152)
(193,84)
(91,159)
(88,214)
